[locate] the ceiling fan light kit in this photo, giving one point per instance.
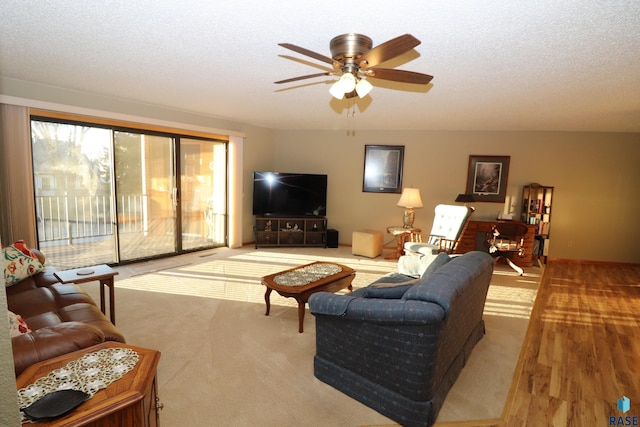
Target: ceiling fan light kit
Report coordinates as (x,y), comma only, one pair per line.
(353,58)
(349,83)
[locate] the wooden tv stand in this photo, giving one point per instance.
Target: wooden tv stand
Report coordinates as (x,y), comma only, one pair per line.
(273,231)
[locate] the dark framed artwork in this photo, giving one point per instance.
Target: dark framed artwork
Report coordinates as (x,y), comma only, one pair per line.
(383,168)
(487,178)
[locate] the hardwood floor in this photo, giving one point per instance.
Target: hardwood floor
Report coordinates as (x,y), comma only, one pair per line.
(582,348)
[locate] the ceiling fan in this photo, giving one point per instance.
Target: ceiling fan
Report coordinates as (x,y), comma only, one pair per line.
(354,60)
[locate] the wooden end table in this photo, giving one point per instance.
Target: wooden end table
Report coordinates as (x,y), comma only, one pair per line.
(331,283)
(403,235)
(102,273)
(131,401)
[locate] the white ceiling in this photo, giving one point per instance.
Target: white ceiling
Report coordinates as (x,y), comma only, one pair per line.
(497,64)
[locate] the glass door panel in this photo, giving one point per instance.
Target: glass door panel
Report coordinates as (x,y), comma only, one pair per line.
(145,195)
(203,193)
(73,192)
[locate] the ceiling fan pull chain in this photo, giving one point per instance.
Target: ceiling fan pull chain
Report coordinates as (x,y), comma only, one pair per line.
(351,109)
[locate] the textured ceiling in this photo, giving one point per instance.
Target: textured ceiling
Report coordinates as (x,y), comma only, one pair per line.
(497,65)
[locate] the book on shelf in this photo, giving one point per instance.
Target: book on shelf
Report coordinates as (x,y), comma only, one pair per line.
(544,228)
(535,206)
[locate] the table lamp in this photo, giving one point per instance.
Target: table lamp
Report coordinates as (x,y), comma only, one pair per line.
(409,200)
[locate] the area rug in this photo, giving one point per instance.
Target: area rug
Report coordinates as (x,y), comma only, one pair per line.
(225,363)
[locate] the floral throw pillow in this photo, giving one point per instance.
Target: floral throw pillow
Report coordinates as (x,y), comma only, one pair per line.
(18,266)
(22,247)
(17,325)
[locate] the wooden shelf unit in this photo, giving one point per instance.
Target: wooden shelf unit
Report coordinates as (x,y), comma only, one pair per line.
(536,211)
(475,237)
(290,231)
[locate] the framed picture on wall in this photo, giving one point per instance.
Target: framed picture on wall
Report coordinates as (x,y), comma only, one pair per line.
(383,168)
(487,178)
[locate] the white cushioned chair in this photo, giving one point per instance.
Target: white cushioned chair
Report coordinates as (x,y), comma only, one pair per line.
(448,227)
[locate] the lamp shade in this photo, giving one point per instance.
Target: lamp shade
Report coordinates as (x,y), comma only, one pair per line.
(363,87)
(410,198)
(465,198)
(336,90)
(348,82)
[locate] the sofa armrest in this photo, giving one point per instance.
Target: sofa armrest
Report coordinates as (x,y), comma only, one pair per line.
(52,341)
(394,311)
(375,310)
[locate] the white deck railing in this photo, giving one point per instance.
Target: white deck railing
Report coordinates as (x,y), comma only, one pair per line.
(77,217)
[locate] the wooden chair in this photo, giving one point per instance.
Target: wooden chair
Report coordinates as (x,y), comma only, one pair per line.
(506,239)
(449,224)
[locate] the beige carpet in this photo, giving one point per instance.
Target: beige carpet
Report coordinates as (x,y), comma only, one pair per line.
(225,363)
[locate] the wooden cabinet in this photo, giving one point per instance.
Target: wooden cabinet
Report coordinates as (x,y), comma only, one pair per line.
(536,211)
(475,237)
(290,231)
(131,401)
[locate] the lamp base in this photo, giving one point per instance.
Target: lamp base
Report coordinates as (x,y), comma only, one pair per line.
(408,218)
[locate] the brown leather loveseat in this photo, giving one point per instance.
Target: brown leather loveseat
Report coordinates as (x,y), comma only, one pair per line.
(61,317)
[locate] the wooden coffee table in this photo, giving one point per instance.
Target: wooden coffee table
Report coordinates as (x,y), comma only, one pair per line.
(302,291)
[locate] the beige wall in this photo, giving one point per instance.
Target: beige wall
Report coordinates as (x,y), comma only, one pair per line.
(9,415)
(8,397)
(595,176)
(259,155)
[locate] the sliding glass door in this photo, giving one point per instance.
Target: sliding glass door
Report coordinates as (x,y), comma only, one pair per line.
(106,195)
(73,193)
(203,195)
(146,195)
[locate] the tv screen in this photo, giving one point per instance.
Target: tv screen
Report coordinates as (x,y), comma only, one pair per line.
(289,194)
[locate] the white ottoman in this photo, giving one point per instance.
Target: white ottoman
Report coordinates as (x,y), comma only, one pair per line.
(367,243)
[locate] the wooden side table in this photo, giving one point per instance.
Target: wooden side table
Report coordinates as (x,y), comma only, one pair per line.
(102,273)
(131,401)
(403,235)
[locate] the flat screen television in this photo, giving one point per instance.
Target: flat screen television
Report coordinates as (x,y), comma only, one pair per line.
(289,194)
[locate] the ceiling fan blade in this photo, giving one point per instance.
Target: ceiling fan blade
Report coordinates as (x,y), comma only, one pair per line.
(387,50)
(294,79)
(399,75)
(310,53)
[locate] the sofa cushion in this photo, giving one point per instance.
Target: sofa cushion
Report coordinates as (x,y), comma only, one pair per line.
(18,266)
(17,325)
(389,289)
(440,260)
(452,279)
(32,302)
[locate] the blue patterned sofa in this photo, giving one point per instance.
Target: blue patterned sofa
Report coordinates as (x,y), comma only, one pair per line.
(399,344)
